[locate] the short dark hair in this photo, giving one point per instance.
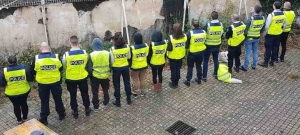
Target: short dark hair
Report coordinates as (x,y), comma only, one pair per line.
(257,9)
(74,40)
(177,31)
(214,15)
(195,23)
(277,4)
(118,39)
(12,60)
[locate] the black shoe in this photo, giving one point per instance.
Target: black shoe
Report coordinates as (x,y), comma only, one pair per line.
(129,101)
(263,64)
(253,68)
(282,60)
(62,116)
(117,104)
(198,81)
(242,68)
(134,95)
(44,121)
(271,63)
(173,86)
(187,83)
(230,71)
(88,112)
(236,69)
(277,60)
(204,79)
(75,114)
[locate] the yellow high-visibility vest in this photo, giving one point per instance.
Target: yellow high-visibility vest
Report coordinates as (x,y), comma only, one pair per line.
(179,50)
(76,66)
(197,42)
(214,34)
(16,82)
(139,57)
(290,16)
(47,69)
(120,57)
(278,19)
(158,54)
(223,74)
(255,27)
(237,35)
(101,61)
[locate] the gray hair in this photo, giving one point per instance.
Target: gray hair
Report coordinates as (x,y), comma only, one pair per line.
(235,17)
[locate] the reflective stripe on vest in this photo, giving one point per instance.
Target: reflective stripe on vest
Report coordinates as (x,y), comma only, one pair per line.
(76,66)
(214,35)
(16,82)
(179,50)
(47,69)
(120,57)
(158,54)
(223,74)
(237,35)
(139,57)
(197,42)
(255,27)
(277,23)
(290,16)
(100,60)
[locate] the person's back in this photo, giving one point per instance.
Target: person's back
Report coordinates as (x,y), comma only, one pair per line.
(76,62)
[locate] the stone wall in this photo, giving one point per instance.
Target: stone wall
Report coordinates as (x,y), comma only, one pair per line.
(24,27)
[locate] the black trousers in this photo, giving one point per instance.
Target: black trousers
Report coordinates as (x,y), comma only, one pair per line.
(175,66)
(95,89)
(234,53)
(20,106)
(83,87)
(44,93)
(193,59)
(271,45)
(283,38)
(117,73)
(157,71)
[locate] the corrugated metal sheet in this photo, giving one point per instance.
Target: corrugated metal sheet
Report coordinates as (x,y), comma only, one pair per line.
(24,3)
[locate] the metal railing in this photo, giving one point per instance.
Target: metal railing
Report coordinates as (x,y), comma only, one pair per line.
(24,3)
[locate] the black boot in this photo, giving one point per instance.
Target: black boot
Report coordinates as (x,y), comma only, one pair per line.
(271,63)
(117,103)
(187,83)
(88,111)
(236,69)
(62,116)
(75,114)
(243,68)
(173,85)
(263,64)
(198,81)
(129,101)
(43,120)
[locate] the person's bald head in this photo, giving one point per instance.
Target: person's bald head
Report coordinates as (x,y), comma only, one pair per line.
(235,17)
(44,47)
(287,5)
(74,40)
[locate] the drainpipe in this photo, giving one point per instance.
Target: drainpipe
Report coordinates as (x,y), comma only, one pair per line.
(125,19)
(43,6)
(184,12)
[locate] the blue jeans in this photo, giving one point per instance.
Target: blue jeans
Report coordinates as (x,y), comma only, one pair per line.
(214,50)
(271,44)
(116,81)
(191,60)
(251,45)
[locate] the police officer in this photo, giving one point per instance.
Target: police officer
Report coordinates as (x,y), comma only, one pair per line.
(176,52)
(121,54)
(195,45)
(99,69)
(15,79)
(138,65)
(235,36)
(290,16)
(214,30)
(47,70)
(157,58)
(275,24)
(254,27)
(75,62)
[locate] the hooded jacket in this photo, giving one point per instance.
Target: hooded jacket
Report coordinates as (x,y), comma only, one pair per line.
(97,45)
(138,43)
(157,37)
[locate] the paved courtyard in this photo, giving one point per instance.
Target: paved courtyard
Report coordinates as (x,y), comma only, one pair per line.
(267,103)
